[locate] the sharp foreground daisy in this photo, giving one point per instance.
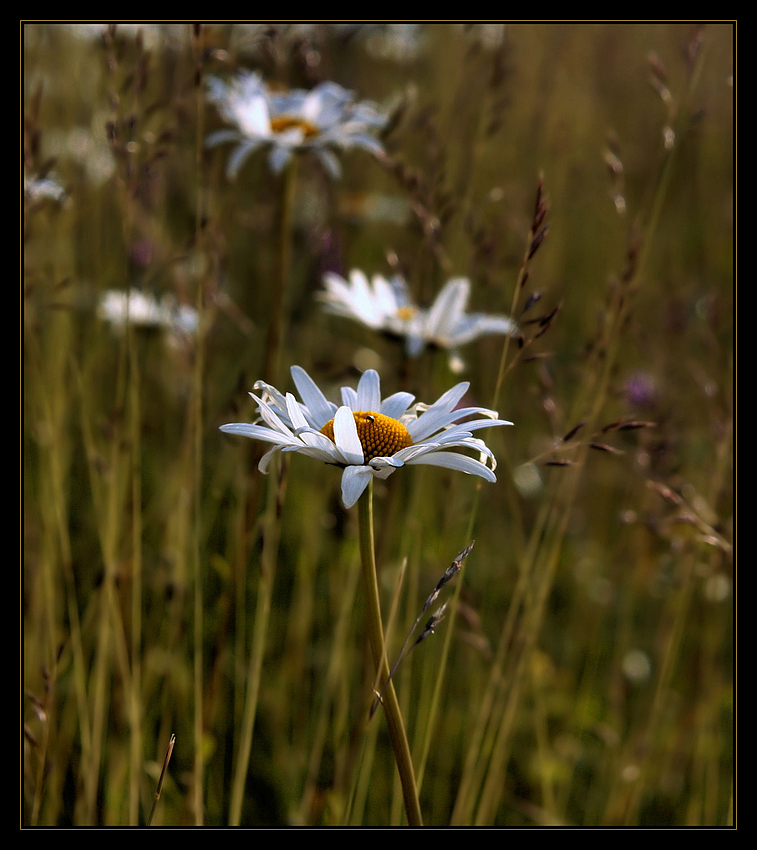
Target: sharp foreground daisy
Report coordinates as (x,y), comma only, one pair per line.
(320,120)
(386,305)
(368,436)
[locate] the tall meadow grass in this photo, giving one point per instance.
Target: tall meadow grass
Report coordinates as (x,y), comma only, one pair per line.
(581,176)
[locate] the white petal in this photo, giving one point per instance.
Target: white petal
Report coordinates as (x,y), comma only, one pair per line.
(271,418)
(448,401)
(319,446)
(414,345)
(385,295)
(319,407)
(239,155)
(383,471)
(448,308)
(312,105)
(479,324)
(451,429)
(330,162)
(354,481)
(462,412)
(427,422)
(349,398)
(258,432)
(296,416)
(346,438)
(361,290)
(252,117)
(453,460)
(453,436)
(396,404)
(265,461)
(325,454)
(392,463)
(464,441)
(353,301)
(221,136)
(369,391)
(270,394)
(485,423)
(336,285)
(278,157)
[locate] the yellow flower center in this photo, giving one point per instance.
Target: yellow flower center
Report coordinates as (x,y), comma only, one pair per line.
(282,123)
(380,436)
(406,313)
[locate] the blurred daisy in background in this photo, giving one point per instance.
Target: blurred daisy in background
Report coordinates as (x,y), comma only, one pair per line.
(369,436)
(143,310)
(381,304)
(386,305)
(41,188)
(322,120)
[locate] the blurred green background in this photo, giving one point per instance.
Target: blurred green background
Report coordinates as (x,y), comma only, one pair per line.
(585,676)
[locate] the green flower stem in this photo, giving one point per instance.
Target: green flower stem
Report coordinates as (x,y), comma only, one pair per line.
(276,325)
(376,634)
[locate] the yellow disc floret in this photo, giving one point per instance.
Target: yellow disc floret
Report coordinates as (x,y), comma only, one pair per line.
(282,123)
(380,436)
(405,314)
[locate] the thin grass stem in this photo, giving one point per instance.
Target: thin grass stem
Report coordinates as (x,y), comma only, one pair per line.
(197,489)
(159,787)
(271,536)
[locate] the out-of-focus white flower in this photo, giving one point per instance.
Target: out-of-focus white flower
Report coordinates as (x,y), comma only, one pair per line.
(117,308)
(386,305)
(381,304)
(39,188)
(322,120)
(367,436)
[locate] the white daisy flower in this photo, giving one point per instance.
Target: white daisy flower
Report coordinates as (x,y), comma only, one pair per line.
(117,308)
(368,436)
(381,304)
(39,188)
(386,305)
(320,120)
